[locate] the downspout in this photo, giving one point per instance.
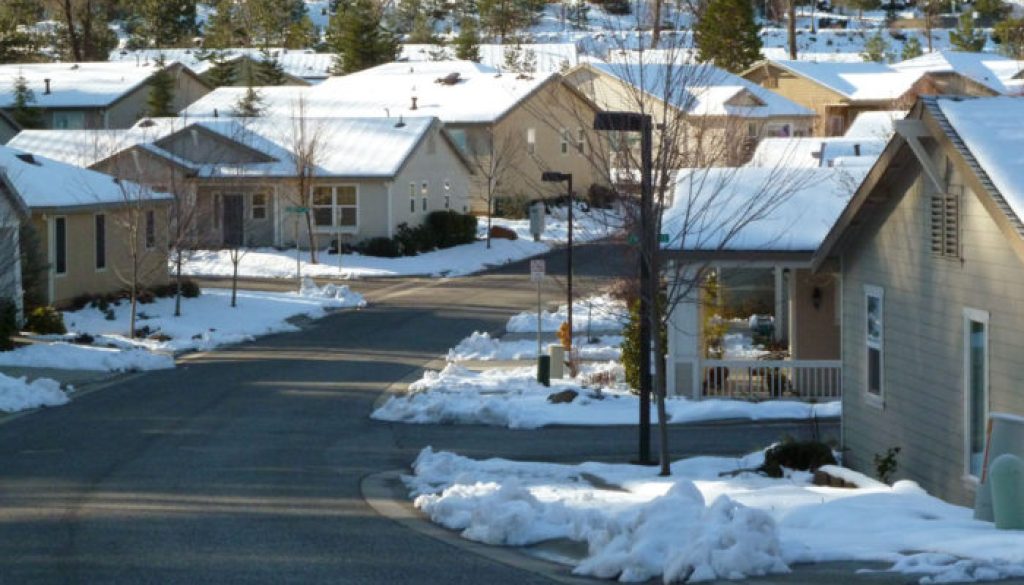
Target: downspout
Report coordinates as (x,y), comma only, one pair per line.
(391,223)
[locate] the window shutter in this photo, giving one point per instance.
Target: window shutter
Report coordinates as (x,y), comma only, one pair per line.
(945,222)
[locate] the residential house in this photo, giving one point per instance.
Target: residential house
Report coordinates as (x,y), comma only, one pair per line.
(95,95)
(510,127)
(365,176)
(509,57)
(710,113)
(8,127)
(96,231)
(299,66)
(931,255)
(13,213)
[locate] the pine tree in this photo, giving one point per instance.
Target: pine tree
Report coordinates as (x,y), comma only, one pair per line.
(965,37)
(301,34)
(991,10)
(16,44)
(22,110)
(83,30)
(269,70)
(911,48)
(727,35)
(160,103)
(250,105)
(165,23)
(422,31)
(360,40)
(1010,34)
(876,48)
(224,29)
(467,44)
(512,55)
(221,73)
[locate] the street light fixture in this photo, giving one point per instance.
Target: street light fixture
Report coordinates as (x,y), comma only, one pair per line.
(556,177)
(635,122)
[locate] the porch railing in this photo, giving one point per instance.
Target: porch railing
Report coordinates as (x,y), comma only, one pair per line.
(808,380)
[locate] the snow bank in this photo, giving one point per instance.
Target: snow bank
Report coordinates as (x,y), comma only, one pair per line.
(600,313)
(338,296)
(68,356)
(17,394)
(481,346)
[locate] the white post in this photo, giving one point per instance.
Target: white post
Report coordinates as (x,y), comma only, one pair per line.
(539,352)
(780,305)
(684,334)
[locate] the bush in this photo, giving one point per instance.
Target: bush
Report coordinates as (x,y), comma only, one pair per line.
(631,345)
(798,455)
(601,196)
(45,321)
(512,207)
(503,233)
(189,288)
(8,324)
(382,247)
(450,228)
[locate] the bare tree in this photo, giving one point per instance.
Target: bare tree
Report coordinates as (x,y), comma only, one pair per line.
(306,143)
(493,158)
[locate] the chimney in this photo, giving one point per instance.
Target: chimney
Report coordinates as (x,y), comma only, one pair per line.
(412,108)
(401,122)
(856,150)
(47,90)
(215,115)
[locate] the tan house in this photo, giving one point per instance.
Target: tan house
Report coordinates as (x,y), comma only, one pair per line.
(87,221)
(95,95)
(299,66)
(9,128)
(724,115)
(838,91)
(931,255)
(510,127)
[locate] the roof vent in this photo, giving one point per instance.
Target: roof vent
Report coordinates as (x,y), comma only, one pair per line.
(147,123)
(47,83)
(413,103)
(30,159)
(74,67)
(856,150)
(400,123)
(450,79)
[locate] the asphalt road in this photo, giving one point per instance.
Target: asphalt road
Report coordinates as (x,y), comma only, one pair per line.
(244,465)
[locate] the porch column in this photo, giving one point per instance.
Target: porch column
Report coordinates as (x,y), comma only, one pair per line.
(780,304)
(684,347)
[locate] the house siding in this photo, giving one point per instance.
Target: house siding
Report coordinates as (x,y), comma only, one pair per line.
(925,295)
(804,92)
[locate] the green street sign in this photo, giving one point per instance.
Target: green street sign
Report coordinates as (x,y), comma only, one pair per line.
(663,238)
(296,209)
(632,240)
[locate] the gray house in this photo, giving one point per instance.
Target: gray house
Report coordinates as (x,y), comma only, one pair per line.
(930,251)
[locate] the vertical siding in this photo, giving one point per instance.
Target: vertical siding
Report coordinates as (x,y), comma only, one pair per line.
(923,327)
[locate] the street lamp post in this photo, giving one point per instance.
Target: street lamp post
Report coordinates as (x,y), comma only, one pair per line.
(556,177)
(634,122)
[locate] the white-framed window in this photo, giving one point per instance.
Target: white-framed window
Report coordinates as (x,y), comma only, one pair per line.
(424,193)
(581,140)
(874,344)
(68,120)
(100,239)
(531,140)
(976,391)
(447,194)
(752,130)
(60,245)
(150,229)
(564,145)
(412,197)
(258,206)
(336,207)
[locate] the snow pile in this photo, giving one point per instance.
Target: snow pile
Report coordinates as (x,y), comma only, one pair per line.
(339,296)
(599,313)
(638,525)
(17,394)
(740,346)
(69,356)
(512,398)
(481,346)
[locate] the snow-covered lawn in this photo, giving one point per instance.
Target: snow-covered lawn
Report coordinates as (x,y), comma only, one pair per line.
(71,356)
(698,525)
(512,397)
(597,313)
(456,261)
(17,394)
(483,347)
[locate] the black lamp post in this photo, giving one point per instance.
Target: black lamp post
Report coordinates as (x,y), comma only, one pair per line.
(634,122)
(556,177)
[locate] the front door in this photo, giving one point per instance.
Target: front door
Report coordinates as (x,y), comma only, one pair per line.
(234,214)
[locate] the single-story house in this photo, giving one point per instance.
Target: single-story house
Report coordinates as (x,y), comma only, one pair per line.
(930,251)
(13,213)
(300,66)
(86,221)
(9,128)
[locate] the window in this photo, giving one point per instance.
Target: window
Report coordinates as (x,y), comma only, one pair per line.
(335,206)
(68,120)
(259,206)
(835,125)
(531,140)
(874,341)
(975,389)
(412,197)
(458,136)
(424,193)
(60,245)
(150,229)
(581,141)
(101,241)
(564,147)
(752,130)
(447,195)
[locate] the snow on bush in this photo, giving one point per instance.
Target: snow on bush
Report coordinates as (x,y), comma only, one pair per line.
(67,356)
(17,394)
(599,313)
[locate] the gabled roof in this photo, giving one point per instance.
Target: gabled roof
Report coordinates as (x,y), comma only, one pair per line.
(701,89)
(45,183)
(864,81)
(812,152)
(74,85)
(299,63)
(874,124)
(85,148)
(995,72)
(548,57)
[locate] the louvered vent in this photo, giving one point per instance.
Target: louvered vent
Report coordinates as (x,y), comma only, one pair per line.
(945,222)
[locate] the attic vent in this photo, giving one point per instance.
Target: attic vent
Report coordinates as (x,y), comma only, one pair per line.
(147,123)
(450,79)
(945,222)
(30,159)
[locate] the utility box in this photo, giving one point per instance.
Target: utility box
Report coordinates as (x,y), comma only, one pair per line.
(1006,435)
(537,217)
(1006,475)
(557,354)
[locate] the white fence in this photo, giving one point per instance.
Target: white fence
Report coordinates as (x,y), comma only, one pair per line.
(810,380)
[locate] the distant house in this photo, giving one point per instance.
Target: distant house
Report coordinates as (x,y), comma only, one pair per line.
(510,127)
(931,255)
(838,92)
(9,128)
(85,221)
(368,176)
(95,95)
(536,57)
(724,115)
(300,66)
(13,213)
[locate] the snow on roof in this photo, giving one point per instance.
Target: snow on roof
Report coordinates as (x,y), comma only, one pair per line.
(703,89)
(281,100)
(549,57)
(73,85)
(993,130)
(993,71)
(864,81)
(302,63)
(757,209)
(879,124)
(85,148)
(816,152)
(43,182)
(479,95)
(837,56)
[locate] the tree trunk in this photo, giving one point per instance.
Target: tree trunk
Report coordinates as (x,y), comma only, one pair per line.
(134,307)
(69,21)
(311,230)
(791,29)
(656,26)
(234,279)
(177,277)
(490,213)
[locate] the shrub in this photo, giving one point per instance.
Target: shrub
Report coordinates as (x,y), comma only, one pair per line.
(405,237)
(799,455)
(885,465)
(601,196)
(45,321)
(8,324)
(145,296)
(189,288)
(451,228)
(631,345)
(383,247)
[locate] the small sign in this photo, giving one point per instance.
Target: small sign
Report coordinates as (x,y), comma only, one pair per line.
(536,270)
(296,209)
(663,238)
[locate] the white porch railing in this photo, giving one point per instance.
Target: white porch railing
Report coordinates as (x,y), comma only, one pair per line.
(810,380)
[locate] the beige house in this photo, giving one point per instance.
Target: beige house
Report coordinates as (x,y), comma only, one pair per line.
(300,66)
(9,128)
(510,127)
(838,91)
(931,255)
(723,116)
(96,95)
(96,231)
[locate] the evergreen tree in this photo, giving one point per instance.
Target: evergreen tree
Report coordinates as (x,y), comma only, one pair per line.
(991,10)
(422,31)
(22,110)
(965,37)
(269,70)
(1010,35)
(467,44)
(16,44)
(503,17)
(160,103)
(224,29)
(512,55)
(165,23)
(359,38)
(727,35)
(222,72)
(877,49)
(302,34)
(83,30)
(250,105)
(911,48)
